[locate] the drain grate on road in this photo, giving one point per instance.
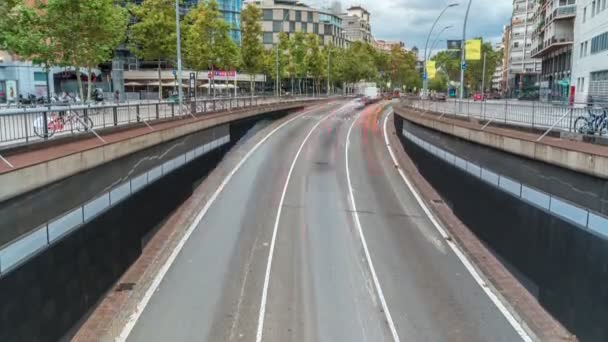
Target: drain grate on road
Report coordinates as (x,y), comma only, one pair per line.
(124,287)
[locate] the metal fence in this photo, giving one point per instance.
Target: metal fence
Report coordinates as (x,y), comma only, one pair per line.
(543,116)
(25,125)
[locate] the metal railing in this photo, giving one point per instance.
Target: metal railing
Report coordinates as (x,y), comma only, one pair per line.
(543,116)
(25,125)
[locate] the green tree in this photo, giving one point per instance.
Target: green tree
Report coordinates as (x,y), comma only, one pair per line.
(207,42)
(153,36)
(315,61)
(298,51)
(85,32)
(252,50)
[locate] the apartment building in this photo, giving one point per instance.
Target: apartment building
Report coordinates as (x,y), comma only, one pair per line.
(552,39)
(590,67)
(522,69)
(357,24)
(291,16)
(388,45)
(497,75)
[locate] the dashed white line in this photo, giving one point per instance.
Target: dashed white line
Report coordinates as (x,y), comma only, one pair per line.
(368,257)
(465,261)
(260,330)
(165,267)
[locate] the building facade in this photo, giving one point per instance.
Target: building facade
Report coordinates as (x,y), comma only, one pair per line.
(357,24)
(292,16)
(388,45)
(522,69)
(497,75)
(590,67)
(552,39)
(506,43)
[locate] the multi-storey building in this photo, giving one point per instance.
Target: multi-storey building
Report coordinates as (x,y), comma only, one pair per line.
(291,16)
(497,75)
(506,43)
(388,45)
(552,39)
(523,70)
(590,68)
(357,25)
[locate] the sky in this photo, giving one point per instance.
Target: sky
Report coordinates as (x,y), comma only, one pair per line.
(410,20)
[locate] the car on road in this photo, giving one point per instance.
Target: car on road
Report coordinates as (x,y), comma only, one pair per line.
(439,97)
(479,97)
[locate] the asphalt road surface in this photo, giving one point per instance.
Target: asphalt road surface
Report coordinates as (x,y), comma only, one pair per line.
(281,254)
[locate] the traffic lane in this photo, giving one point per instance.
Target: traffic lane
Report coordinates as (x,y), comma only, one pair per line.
(320,285)
(430,293)
(211,292)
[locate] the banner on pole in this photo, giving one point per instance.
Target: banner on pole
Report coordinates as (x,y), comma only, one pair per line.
(473,49)
(454,45)
(430,69)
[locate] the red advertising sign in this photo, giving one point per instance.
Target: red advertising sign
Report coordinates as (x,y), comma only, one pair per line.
(222,73)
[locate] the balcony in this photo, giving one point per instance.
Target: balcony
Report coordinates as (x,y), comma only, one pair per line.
(564,12)
(551,45)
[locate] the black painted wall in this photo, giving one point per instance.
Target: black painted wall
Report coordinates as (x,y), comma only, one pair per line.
(569,265)
(45,297)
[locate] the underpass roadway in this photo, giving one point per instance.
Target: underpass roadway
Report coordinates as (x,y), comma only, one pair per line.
(314,236)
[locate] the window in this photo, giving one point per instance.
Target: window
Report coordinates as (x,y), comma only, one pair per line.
(277,26)
(39,76)
(268,38)
(603,5)
(285,14)
(584,14)
(599,43)
(267,14)
(516,44)
(582,83)
(292,26)
(315,28)
(310,17)
(298,15)
(327,29)
(592,8)
(304,27)
(582,50)
(585,48)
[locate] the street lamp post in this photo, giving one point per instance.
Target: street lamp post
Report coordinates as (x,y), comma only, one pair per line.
(433,46)
(462,50)
(179,57)
(426,45)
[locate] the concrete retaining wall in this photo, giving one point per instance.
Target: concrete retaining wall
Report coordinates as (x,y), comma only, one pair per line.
(568,265)
(589,163)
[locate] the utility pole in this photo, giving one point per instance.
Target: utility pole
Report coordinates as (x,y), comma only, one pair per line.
(483,77)
(179,57)
(328,66)
(276,86)
(462,52)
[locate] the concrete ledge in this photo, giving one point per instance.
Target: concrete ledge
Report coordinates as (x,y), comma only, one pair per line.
(576,156)
(24,179)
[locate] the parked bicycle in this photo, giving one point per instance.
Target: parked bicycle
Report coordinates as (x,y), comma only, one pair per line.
(57,122)
(595,123)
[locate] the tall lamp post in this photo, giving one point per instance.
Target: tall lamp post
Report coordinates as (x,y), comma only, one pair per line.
(462,52)
(179,57)
(426,45)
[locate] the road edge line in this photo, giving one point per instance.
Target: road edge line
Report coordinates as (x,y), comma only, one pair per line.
(502,307)
(134,317)
(368,257)
(262,313)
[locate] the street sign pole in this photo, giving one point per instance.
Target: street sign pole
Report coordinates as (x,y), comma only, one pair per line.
(179,57)
(463,48)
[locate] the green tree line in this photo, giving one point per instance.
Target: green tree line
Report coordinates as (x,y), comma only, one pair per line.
(84,34)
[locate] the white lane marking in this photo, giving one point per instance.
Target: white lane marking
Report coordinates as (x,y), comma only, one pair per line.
(465,261)
(387,313)
(259,334)
(165,267)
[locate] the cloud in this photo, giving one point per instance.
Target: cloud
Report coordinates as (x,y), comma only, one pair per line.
(411,20)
